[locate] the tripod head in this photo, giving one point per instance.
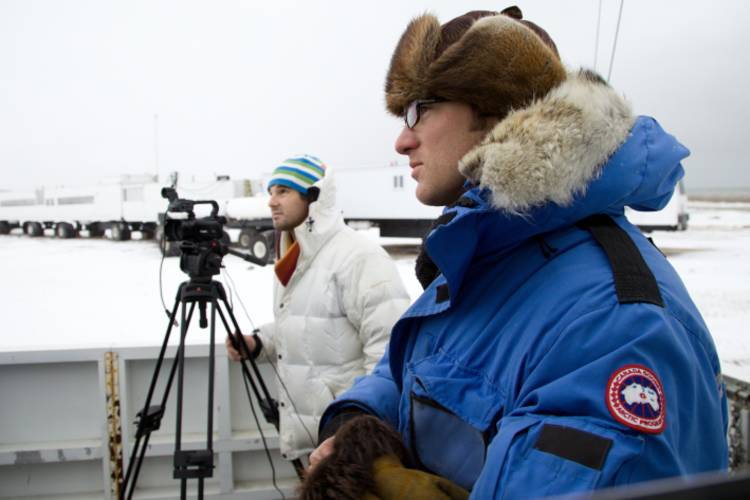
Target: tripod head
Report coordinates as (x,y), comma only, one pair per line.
(202,240)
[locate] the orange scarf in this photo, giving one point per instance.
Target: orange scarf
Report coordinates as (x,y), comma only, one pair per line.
(286,265)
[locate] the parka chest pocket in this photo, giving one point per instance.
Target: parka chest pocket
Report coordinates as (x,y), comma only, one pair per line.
(444,444)
(452,416)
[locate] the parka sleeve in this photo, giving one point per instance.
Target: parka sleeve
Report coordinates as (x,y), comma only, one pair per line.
(566,432)
(374,298)
(266,333)
(375,394)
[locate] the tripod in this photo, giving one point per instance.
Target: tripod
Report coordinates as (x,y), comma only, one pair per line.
(195,464)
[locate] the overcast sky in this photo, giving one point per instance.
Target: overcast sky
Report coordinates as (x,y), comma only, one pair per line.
(239,85)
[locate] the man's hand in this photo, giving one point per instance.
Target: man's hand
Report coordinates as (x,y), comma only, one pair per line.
(232,352)
(322,451)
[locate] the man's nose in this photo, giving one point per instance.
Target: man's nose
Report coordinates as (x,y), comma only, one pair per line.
(406,141)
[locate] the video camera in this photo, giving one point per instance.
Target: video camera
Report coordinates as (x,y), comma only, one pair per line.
(203,242)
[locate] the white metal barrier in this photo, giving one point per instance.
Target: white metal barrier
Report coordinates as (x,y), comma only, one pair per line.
(58,412)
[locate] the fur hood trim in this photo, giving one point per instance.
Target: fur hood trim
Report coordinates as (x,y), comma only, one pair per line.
(551,150)
(497,64)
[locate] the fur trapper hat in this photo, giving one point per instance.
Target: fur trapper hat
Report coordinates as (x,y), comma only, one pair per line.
(492,61)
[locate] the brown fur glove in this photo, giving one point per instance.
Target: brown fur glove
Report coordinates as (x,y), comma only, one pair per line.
(369,461)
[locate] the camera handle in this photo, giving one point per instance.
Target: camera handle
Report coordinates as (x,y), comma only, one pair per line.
(198,464)
(247,257)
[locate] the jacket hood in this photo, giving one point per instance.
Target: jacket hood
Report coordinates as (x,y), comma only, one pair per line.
(323,220)
(551,150)
(576,152)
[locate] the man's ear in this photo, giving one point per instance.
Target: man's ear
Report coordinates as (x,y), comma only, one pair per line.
(312,193)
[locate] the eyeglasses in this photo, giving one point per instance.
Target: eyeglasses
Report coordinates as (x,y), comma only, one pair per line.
(413,111)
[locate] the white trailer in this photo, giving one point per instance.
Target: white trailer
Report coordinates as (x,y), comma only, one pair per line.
(673,217)
(121,205)
(252,217)
(384,196)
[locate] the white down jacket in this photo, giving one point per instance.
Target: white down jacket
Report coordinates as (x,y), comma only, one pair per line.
(333,320)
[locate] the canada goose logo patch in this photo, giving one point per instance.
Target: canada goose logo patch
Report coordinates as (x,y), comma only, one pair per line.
(635,398)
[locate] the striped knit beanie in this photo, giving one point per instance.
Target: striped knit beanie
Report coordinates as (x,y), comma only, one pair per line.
(298,173)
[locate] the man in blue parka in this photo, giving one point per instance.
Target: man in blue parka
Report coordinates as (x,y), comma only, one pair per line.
(554,349)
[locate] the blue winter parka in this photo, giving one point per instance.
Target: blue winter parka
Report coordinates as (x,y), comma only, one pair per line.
(518,373)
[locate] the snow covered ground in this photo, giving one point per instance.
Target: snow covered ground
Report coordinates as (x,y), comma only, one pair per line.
(712,257)
(60,294)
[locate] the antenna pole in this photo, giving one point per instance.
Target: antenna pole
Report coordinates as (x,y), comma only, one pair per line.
(614,46)
(596,40)
(156,144)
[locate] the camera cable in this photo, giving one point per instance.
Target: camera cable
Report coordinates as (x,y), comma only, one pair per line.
(163,248)
(263,438)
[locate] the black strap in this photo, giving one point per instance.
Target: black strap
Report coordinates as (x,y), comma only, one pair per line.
(444,219)
(634,281)
(464,202)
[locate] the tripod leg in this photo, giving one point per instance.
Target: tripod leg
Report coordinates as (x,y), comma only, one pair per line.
(195,463)
(148,417)
(180,360)
(211,362)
